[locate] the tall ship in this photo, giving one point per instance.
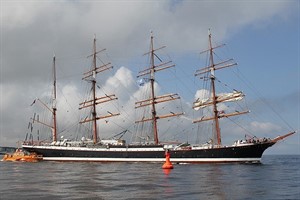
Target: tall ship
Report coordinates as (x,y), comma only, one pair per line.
(151,148)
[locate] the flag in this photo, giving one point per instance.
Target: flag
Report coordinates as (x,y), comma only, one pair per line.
(142,81)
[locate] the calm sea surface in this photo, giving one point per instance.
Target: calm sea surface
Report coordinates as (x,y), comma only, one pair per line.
(278,177)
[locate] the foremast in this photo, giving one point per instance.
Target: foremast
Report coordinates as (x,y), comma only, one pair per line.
(153,100)
(90,76)
(216,99)
(53,109)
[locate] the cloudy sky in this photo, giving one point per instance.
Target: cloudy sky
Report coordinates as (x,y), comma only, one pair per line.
(262,36)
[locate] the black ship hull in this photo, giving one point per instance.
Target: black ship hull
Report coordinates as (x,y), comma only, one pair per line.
(241,153)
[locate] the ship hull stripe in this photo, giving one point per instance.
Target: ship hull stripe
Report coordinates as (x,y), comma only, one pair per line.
(175,160)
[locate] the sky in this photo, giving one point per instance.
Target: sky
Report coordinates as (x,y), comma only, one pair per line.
(262,36)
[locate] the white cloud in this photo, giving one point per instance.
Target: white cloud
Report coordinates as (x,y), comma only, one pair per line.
(264,127)
(67,105)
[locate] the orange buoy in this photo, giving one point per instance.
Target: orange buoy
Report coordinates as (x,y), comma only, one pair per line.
(167,164)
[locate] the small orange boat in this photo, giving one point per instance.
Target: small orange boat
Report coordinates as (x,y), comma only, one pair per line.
(22,156)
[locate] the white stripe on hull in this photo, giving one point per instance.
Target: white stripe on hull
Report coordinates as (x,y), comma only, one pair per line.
(150,149)
(175,160)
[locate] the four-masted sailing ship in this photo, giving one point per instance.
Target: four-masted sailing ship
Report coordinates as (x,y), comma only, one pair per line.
(117,150)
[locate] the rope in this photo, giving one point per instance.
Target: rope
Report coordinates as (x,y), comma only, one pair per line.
(262,99)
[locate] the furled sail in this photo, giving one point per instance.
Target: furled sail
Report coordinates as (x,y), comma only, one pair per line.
(227,97)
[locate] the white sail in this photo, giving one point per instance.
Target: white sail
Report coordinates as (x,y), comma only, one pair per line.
(227,97)
(201,103)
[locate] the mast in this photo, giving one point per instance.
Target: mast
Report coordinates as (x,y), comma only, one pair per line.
(53,125)
(90,76)
(54,130)
(94,112)
(52,109)
(154,117)
(216,99)
(153,100)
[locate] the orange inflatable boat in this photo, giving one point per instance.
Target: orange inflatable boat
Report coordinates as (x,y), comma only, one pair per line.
(22,156)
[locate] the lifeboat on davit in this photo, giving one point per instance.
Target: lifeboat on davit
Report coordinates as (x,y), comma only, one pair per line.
(22,156)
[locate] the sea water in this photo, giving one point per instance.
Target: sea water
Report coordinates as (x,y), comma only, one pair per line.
(278,177)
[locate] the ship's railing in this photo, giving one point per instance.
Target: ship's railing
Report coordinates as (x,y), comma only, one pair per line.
(253,140)
(35,143)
